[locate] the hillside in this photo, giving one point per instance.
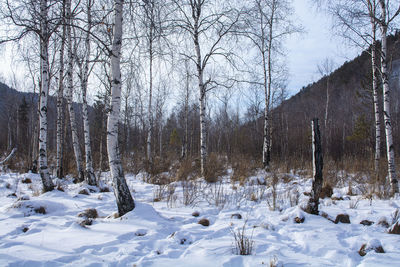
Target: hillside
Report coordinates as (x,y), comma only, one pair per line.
(350,104)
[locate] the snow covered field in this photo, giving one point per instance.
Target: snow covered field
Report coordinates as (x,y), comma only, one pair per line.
(44,229)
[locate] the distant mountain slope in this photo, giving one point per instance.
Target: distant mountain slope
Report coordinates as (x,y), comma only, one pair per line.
(350,107)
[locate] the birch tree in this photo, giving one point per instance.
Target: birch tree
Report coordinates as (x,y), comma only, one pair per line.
(122,194)
(384,20)
(207,23)
(83,63)
(267,24)
(60,99)
(69,93)
(24,18)
(356,21)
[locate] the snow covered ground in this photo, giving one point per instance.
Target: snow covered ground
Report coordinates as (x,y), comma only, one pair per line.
(164,232)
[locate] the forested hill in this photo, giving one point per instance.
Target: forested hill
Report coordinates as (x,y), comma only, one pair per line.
(18,112)
(349,124)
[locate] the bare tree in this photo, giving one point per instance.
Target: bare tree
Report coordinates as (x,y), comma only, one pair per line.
(69,93)
(84,64)
(267,24)
(384,20)
(33,17)
(325,69)
(123,196)
(207,23)
(60,99)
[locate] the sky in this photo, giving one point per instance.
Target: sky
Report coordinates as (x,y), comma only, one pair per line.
(304,51)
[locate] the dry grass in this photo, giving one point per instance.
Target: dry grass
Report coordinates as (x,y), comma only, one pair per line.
(215,167)
(243,244)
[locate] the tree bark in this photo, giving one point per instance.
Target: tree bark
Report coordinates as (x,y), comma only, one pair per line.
(375,100)
(122,194)
(69,96)
(317,168)
(90,177)
(386,102)
(60,100)
(44,64)
(202,94)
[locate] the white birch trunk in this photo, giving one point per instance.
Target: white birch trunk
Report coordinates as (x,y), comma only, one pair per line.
(386,103)
(150,114)
(267,66)
(60,100)
(122,194)
(90,177)
(202,103)
(69,96)
(376,100)
(44,64)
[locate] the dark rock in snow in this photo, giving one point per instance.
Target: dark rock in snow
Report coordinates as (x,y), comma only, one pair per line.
(236,216)
(366,222)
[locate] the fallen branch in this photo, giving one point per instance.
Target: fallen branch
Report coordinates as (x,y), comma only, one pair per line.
(9,156)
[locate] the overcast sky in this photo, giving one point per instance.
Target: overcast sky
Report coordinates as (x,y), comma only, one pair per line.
(305,51)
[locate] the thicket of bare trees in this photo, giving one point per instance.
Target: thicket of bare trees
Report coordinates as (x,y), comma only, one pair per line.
(190,79)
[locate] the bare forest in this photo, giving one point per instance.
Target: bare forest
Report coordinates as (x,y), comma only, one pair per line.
(140,116)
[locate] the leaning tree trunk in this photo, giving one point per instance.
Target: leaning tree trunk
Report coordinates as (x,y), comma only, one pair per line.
(44,64)
(386,109)
(69,96)
(317,168)
(90,177)
(60,100)
(122,194)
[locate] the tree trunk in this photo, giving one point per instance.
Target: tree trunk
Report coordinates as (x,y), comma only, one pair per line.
(90,177)
(69,96)
(150,113)
(44,64)
(376,100)
(202,102)
(267,66)
(386,107)
(60,100)
(122,194)
(317,168)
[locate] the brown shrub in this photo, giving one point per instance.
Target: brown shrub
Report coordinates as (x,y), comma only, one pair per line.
(86,222)
(215,168)
(84,191)
(366,222)
(89,213)
(243,167)
(204,222)
(196,214)
(187,169)
(365,248)
(342,218)
(26,181)
(40,210)
(327,191)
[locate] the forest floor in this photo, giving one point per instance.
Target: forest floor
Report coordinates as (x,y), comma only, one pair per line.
(46,230)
